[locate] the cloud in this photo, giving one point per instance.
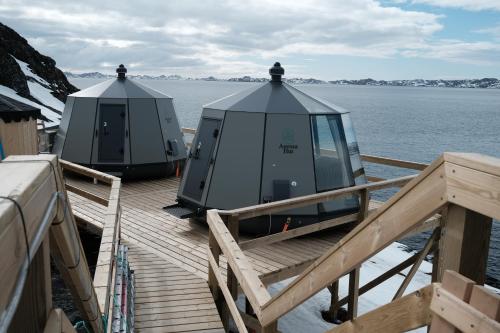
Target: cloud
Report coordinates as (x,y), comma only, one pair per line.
(473,5)
(226,38)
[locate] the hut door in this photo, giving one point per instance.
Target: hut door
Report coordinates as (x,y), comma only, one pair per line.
(111,133)
(200,158)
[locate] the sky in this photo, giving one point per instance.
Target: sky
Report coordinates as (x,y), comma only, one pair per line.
(329,40)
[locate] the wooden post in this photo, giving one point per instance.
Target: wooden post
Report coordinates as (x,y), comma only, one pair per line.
(234,228)
(212,281)
(363,204)
(352,304)
(334,301)
(271,328)
(36,299)
(464,245)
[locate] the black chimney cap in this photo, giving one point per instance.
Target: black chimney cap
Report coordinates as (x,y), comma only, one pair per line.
(276,72)
(121,70)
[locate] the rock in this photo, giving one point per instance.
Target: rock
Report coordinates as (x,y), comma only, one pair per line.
(45,67)
(11,74)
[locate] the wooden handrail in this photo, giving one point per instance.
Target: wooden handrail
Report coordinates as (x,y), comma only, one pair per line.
(469,181)
(110,238)
(277,206)
(81,170)
(251,285)
(227,294)
(394,162)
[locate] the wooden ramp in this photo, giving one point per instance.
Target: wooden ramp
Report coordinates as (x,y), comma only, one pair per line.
(169,298)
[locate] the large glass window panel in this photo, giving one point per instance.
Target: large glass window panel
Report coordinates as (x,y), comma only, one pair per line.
(331,158)
(353,148)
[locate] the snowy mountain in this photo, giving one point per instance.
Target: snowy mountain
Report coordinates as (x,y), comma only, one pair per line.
(31,77)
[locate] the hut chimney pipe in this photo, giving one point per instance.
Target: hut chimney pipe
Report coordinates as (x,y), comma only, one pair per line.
(121,70)
(276,72)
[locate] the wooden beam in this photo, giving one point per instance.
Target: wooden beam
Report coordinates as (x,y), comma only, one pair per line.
(421,256)
(476,190)
(459,314)
(464,243)
(394,162)
(293,233)
(461,288)
(235,313)
(398,215)
(485,301)
(404,314)
(81,170)
(87,195)
(306,200)
(250,283)
(188,130)
(58,323)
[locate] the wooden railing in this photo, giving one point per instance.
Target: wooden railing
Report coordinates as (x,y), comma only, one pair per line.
(455,304)
(36,185)
(455,184)
(111,235)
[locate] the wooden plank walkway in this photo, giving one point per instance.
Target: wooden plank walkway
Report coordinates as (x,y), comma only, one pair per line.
(169,255)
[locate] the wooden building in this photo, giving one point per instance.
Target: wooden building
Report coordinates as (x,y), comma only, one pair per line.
(18,127)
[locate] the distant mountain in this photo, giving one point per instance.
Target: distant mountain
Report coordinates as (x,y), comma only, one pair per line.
(31,77)
(467,83)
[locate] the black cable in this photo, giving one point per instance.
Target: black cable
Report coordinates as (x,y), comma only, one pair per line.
(19,208)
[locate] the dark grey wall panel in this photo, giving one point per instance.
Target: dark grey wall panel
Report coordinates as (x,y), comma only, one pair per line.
(63,126)
(288,156)
(235,179)
(78,143)
(170,128)
(146,142)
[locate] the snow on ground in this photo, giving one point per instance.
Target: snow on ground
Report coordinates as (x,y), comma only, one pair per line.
(50,114)
(43,95)
(307,316)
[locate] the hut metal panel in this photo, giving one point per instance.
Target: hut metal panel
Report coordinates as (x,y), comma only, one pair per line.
(146,142)
(172,135)
(288,157)
(95,146)
(63,126)
(239,153)
(78,143)
(200,165)
(210,113)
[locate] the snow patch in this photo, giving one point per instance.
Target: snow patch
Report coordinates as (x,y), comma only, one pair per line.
(29,73)
(43,95)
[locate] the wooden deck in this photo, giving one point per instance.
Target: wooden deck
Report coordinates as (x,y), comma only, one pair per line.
(169,255)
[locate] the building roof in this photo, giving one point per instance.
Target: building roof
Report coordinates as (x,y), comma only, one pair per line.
(274,96)
(13,110)
(120,87)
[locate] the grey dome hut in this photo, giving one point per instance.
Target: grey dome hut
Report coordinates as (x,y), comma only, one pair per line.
(123,127)
(269,143)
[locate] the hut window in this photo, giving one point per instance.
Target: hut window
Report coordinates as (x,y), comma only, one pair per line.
(331,157)
(352,146)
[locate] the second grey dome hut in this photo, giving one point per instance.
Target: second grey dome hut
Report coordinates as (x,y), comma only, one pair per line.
(269,143)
